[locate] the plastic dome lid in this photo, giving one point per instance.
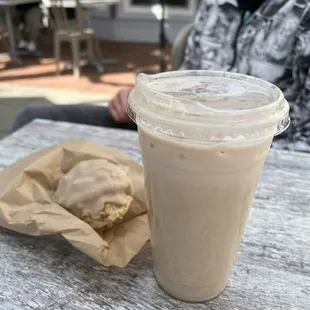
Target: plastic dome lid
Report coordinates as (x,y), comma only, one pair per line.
(208,105)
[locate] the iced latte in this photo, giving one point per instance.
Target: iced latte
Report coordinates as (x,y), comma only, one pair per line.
(204,138)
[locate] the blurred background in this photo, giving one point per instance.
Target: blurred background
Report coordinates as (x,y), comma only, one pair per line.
(70,51)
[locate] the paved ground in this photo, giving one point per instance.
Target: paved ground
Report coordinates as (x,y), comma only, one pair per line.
(13,98)
(40,72)
(36,82)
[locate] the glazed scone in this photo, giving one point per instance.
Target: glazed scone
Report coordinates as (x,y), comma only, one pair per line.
(96,191)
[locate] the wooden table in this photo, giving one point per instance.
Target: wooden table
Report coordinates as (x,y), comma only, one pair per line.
(272,269)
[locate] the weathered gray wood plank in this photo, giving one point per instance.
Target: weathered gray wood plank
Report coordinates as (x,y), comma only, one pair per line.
(272,270)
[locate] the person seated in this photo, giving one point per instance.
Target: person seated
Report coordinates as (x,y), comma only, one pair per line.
(27,22)
(266,39)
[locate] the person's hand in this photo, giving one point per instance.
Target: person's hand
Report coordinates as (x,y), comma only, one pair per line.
(118,106)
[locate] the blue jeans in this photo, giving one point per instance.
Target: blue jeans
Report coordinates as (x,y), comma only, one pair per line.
(79,113)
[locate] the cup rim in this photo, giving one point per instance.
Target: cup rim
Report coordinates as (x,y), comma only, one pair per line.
(146,108)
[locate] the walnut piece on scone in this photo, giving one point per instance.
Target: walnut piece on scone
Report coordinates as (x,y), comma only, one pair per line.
(97,191)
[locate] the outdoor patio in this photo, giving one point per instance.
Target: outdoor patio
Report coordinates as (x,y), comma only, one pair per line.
(35,82)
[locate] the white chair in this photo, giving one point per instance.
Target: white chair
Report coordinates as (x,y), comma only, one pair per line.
(74,31)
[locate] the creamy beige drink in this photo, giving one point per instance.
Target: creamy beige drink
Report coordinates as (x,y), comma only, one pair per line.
(199,198)
(204,137)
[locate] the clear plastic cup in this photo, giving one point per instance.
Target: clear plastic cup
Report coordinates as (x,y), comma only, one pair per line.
(204,138)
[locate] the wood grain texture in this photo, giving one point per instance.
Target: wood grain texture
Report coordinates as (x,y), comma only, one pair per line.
(272,270)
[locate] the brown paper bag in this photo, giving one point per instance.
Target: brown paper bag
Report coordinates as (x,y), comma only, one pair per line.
(31,189)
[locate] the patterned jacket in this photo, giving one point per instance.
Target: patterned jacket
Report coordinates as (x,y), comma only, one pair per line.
(272,44)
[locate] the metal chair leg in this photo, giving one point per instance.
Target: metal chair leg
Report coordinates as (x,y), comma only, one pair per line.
(99,66)
(57,53)
(76,57)
(90,49)
(10,29)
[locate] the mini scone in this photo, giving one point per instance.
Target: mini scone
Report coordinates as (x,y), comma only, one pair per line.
(97,191)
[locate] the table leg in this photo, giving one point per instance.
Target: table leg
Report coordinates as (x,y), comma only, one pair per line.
(10,28)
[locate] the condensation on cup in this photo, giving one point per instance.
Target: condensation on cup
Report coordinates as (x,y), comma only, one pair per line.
(204,138)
